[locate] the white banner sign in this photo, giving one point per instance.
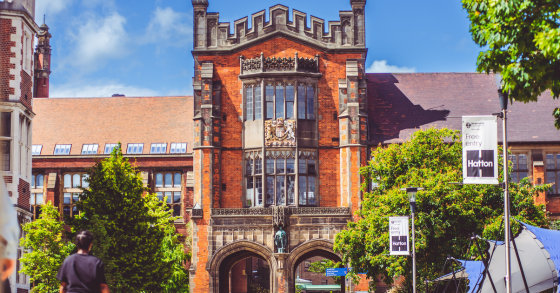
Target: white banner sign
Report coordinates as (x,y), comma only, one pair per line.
(398,236)
(480,150)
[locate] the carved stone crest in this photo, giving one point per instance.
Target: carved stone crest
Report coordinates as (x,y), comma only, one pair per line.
(280,216)
(280,133)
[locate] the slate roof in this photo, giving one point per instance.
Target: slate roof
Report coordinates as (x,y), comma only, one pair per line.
(79,121)
(400,103)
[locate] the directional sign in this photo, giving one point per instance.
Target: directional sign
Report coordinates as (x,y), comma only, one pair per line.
(336,272)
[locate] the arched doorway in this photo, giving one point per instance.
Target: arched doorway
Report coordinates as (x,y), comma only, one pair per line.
(228,263)
(311,250)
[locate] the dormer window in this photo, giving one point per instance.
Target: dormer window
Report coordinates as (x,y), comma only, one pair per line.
(135,148)
(62,149)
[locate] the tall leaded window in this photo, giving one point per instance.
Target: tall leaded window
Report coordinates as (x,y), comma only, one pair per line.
(253,102)
(519,166)
(280,177)
(36,200)
(553,172)
(72,184)
(307,174)
(306,101)
(5,140)
(253,175)
(168,189)
(279,100)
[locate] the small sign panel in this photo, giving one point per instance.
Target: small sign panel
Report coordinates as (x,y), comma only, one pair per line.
(480,149)
(336,272)
(398,236)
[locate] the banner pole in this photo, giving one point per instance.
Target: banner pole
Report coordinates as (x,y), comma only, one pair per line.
(507,231)
(413,257)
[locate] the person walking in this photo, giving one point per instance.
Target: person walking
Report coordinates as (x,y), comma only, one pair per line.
(9,233)
(81,272)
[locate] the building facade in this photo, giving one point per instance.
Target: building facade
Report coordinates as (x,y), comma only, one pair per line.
(282,117)
(17,63)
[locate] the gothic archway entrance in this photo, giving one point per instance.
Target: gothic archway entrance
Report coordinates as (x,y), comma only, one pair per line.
(232,262)
(311,250)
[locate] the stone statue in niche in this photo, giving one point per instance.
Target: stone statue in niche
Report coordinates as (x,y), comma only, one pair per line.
(280,240)
(280,133)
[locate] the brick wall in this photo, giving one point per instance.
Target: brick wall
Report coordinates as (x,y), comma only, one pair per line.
(6,30)
(24,194)
(232,177)
(26,87)
(238,278)
(329,172)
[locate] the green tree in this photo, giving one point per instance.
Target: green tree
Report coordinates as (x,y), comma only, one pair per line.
(44,238)
(134,232)
(324,264)
(523,41)
(446,215)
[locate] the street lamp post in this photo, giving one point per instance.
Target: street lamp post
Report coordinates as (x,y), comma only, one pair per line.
(503,102)
(411,191)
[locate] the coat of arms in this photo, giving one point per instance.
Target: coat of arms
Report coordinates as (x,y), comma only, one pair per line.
(280,133)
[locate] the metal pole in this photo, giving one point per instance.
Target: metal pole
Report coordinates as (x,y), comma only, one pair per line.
(413,257)
(506,205)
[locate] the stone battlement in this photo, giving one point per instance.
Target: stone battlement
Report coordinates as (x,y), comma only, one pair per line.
(212,35)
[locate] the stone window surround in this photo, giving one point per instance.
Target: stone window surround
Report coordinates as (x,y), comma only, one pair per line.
(297,175)
(295,81)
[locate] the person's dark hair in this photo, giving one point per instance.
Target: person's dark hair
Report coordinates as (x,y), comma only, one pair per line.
(84,239)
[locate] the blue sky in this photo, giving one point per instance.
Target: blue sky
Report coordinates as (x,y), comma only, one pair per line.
(143,48)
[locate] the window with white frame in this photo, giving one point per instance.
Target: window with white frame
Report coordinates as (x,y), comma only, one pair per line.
(109,147)
(36,149)
(72,184)
(135,148)
(24,148)
(37,191)
(62,149)
(253,98)
(5,140)
(307,174)
(280,177)
(253,181)
(178,148)
(168,186)
(158,148)
(89,149)
(519,167)
(553,172)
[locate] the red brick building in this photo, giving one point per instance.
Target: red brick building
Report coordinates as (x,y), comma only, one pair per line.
(282,117)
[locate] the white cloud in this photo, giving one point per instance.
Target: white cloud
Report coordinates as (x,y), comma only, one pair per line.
(93,89)
(97,39)
(381,66)
(167,24)
(49,8)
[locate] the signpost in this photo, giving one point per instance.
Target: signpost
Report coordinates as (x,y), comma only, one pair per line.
(480,149)
(341,272)
(398,236)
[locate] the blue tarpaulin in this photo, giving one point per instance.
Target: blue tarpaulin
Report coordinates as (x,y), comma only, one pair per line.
(550,240)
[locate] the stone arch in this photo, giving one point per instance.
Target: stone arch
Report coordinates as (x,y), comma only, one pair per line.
(314,247)
(231,253)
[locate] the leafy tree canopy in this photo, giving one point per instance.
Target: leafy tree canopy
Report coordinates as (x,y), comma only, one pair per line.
(523,40)
(446,215)
(44,238)
(134,232)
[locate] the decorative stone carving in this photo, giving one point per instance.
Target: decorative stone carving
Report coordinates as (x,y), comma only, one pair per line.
(280,63)
(252,64)
(280,239)
(280,215)
(346,211)
(307,64)
(242,212)
(280,133)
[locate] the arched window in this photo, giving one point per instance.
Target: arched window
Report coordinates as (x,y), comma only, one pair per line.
(177,180)
(85,184)
(76,180)
(168,180)
(67,181)
(159,180)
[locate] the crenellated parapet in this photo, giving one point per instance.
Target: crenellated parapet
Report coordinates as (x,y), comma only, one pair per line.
(212,35)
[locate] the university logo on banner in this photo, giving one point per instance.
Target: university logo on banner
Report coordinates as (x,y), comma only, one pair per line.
(480,149)
(398,236)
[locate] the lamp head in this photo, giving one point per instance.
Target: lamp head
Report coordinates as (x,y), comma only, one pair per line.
(411,191)
(503,96)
